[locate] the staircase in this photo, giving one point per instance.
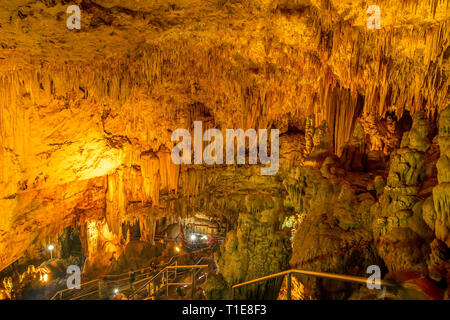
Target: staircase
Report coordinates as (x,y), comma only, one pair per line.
(148,284)
(157,287)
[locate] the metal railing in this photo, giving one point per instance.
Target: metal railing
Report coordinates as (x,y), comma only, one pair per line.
(161,280)
(92,287)
(289,273)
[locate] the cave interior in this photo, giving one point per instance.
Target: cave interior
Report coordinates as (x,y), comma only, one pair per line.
(360,115)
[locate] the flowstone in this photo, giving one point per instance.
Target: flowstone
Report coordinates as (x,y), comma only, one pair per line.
(317,142)
(334,235)
(399,230)
(255,249)
(436,208)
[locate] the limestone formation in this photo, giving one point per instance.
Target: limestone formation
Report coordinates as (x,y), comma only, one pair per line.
(255,249)
(87,117)
(334,235)
(399,230)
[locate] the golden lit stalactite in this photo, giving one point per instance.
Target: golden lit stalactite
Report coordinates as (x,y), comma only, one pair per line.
(150,166)
(169,171)
(163,155)
(115,201)
(340,107)
(92,237)
(174,173)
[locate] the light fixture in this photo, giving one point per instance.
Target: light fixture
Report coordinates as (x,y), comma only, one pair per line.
(50,248)
(116,291)
(205,238)
(193,237)
(43,277)
(177,249)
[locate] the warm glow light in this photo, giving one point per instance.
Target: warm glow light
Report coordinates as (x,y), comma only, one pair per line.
(110,160)
(177,249)
(205,238)
(116,291)
(106,166)
(43,277)
(193,237)
(92,231)
(51,247)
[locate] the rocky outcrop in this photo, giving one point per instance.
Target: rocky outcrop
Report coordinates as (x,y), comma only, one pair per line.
(255,249)
(334,235)
(345,228)
(401,234)
(317,146)
(436,208)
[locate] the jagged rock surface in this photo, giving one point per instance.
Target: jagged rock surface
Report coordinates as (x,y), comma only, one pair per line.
(86,117)
(255,249)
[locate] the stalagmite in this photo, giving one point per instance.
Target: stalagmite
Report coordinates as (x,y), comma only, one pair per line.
(399,219)
(437,211)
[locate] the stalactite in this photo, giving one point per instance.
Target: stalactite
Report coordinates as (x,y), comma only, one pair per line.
(309,132)
(340,107)
(152,176)
(115,201)
(372,74)
(169,171)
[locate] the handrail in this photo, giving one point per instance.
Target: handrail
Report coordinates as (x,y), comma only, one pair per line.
(193,247)
(125,275)
(153,278)
(60,292)
(309,273)
(98,279)
(172,267)
(161,271)
(196,265)
(188,266)
(200,260)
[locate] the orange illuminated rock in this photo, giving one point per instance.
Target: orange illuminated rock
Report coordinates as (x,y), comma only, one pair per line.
(86,118)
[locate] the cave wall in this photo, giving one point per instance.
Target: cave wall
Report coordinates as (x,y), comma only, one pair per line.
(394,223)
(256,248)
